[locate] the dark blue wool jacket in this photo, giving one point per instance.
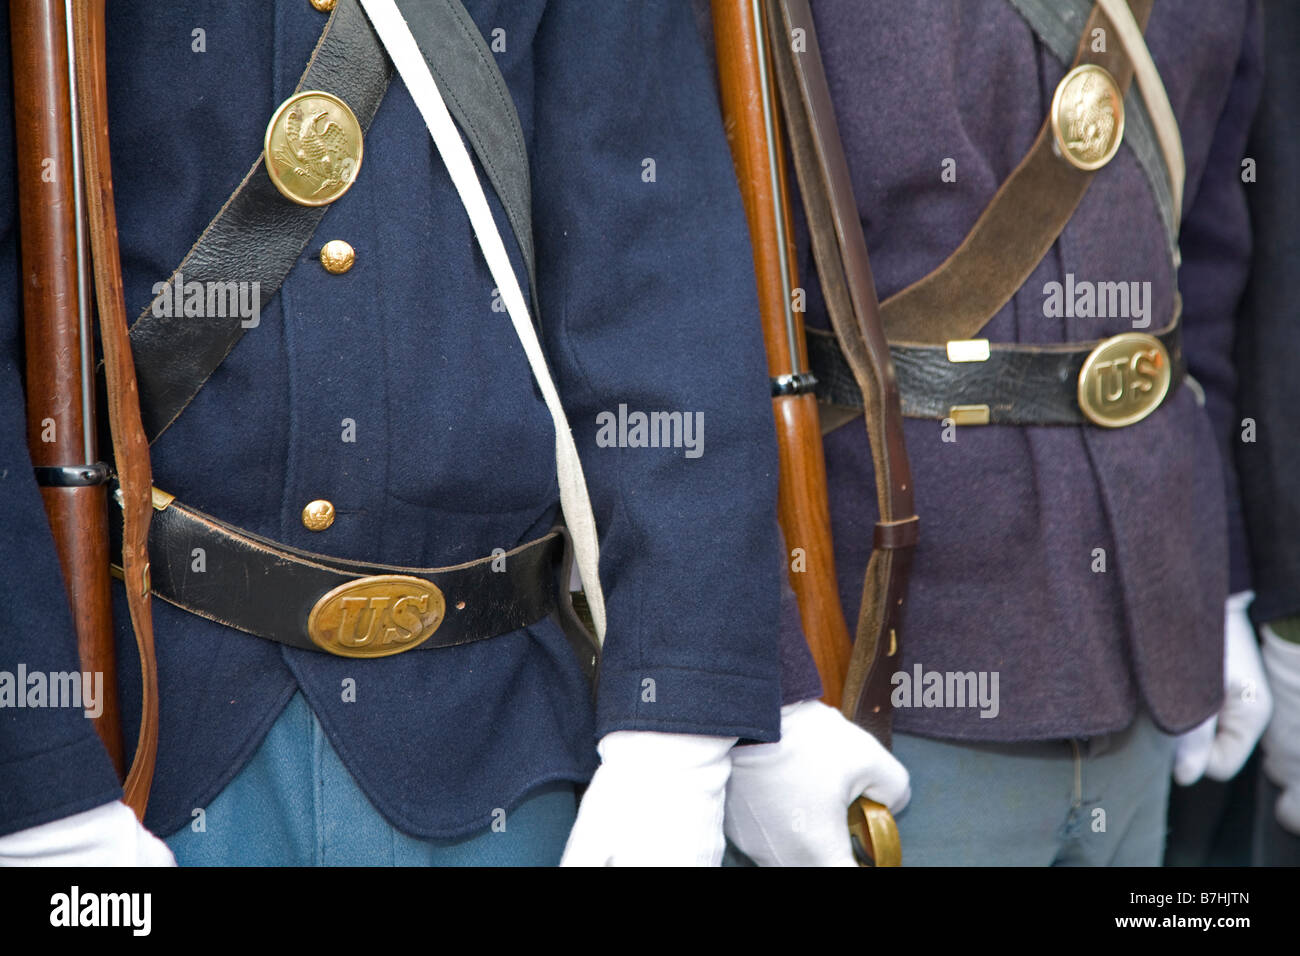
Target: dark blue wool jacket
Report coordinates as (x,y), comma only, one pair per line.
(647,300)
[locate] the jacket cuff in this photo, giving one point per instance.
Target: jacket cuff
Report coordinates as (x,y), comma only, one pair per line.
(55,784)
(687,701)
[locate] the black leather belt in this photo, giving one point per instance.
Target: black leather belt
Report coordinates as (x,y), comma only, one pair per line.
(1110,382)
(297,598)
(348,608)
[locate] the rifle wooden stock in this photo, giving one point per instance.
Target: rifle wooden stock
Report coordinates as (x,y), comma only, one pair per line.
(58,431)
(802,500)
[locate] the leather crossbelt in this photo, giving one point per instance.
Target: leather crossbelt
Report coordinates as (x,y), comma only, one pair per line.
(944,372)
(1111,382)
(258,235)
(354,609)
(1031,208)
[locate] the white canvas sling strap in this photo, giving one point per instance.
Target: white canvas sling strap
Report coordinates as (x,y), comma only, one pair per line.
(574,499)
(1154,95)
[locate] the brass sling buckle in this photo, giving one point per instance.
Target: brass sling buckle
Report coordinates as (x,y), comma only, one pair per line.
(376,616)
(1124,379)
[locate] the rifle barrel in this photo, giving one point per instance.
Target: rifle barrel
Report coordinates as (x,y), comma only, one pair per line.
(758,152)
(60,391)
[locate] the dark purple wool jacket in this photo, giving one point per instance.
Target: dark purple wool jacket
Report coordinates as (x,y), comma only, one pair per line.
(1011,517)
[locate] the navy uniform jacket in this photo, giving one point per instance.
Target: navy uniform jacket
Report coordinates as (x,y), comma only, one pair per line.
(647,299)
(1003,577)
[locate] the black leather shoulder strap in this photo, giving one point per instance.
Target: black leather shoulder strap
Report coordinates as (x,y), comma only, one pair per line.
(475,91)
(258,234)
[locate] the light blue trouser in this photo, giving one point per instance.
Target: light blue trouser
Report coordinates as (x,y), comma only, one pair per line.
(295,804)
(1100,801)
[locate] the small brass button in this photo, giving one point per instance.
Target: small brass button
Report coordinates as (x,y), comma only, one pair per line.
(318,515)
(337,256)
(324,6)
(1087,117)
(312,148)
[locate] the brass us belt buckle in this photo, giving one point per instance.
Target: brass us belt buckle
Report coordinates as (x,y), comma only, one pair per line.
(376,616)
(1087,117)
(1124,379)
(313,147)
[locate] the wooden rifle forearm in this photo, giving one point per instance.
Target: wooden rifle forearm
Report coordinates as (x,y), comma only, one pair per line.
(840,250)
(758,152)
(752,120)
(60,401)
(55,110)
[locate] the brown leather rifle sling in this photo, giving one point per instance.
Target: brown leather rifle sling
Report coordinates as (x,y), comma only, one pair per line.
(750,113)
(840,252)
(130,446)
(63,114)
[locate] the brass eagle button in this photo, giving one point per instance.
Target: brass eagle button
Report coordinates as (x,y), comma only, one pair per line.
(1087,117)
(1124,379)
(337,256)
(318,515)
(313,148)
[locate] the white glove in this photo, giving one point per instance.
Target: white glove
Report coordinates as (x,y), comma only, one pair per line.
(656,800)
(787,803)
(1219,747)
(1282,739)
(105,836)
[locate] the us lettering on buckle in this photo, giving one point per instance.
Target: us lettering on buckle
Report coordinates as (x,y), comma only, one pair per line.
(376,616)
(1124,379)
